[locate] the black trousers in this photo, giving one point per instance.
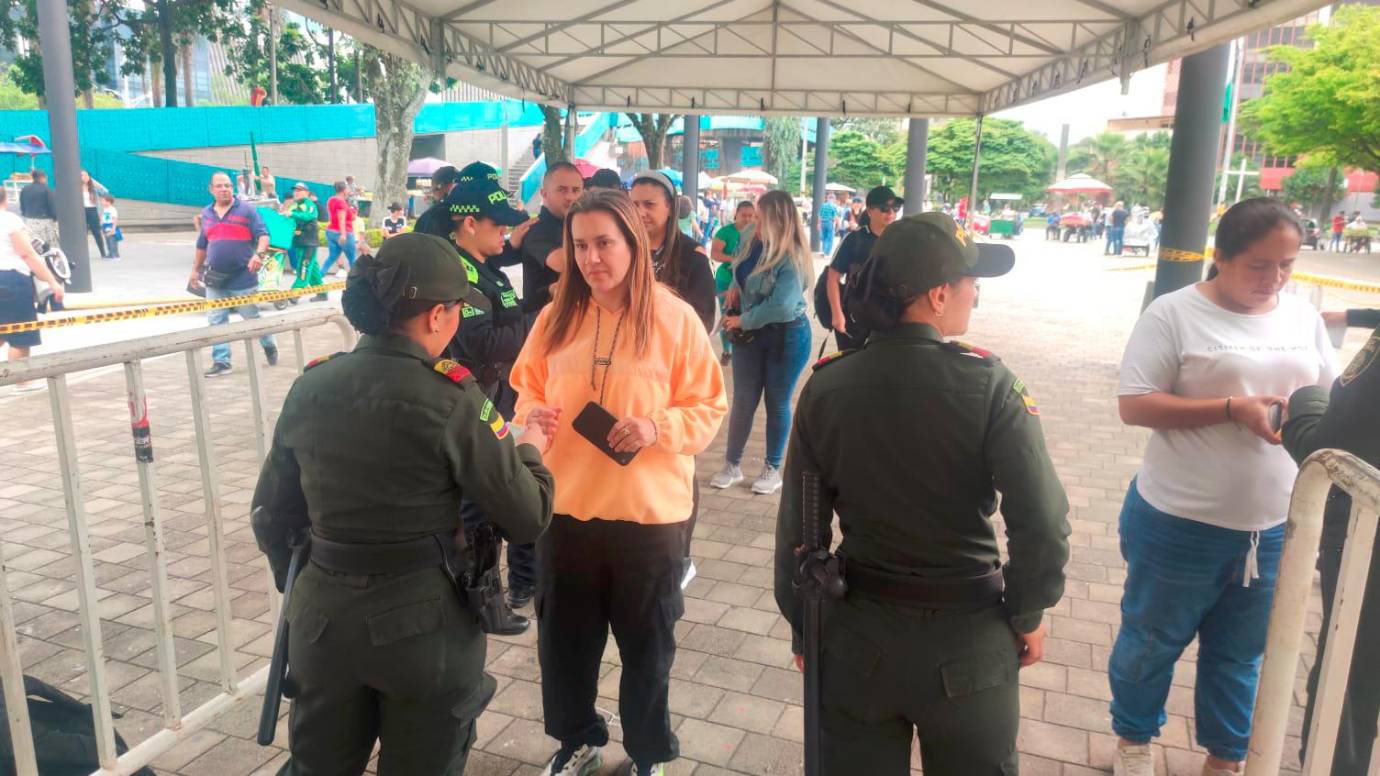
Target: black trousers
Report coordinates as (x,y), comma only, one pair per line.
(93,225)
(598,575)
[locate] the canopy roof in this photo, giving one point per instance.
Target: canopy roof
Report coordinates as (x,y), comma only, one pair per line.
(805,57)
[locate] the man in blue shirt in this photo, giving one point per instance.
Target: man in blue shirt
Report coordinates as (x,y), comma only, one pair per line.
(229,252)
(828,221)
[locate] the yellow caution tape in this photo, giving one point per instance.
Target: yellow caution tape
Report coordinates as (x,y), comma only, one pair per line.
(1335,282)
(1174,254)
(179,308)
(1131,268)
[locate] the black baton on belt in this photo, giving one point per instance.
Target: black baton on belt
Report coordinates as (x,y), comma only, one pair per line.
(278,664)
(817,578)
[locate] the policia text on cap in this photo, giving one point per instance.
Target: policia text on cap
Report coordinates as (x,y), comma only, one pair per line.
(911,438)
(371,456)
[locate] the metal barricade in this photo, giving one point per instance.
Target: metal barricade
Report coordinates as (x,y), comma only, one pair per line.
(131,354)
(1318,474)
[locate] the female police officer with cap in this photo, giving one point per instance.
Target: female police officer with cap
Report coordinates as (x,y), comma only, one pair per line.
(927,639)
(372,453)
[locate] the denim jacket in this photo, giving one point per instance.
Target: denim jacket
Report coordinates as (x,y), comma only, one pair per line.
(776,296)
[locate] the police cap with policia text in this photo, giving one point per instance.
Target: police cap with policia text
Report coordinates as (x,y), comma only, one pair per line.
(483,198)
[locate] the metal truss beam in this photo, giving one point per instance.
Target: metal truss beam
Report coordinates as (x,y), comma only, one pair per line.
(1148,40)
(780,102)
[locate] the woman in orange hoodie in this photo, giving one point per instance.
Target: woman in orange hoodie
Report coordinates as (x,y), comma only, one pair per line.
(616,345)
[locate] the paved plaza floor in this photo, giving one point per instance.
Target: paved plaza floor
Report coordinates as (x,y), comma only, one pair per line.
(1059,320)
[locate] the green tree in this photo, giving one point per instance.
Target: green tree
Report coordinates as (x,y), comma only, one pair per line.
(1324,105)
(1141,177)
(856,160)
(397,88)
(1014,159)
(1308,186)
(782,148)
(884,131)
(1099,155)
(653,128)
(91,25)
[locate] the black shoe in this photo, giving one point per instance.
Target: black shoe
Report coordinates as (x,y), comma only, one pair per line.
(219,368)
(320,298)
(520,596)
(512,624)
(272,355)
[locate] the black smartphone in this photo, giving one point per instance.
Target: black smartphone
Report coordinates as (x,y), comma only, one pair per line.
(594,423)
(1276,416)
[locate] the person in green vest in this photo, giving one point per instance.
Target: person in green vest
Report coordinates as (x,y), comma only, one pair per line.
(305,241)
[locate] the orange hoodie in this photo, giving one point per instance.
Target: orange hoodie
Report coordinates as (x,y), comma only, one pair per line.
(678,385)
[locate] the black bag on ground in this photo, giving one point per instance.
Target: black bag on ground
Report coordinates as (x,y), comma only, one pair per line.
(64,734)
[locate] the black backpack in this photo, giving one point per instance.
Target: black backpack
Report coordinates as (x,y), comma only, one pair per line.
(823,313)
(64,734)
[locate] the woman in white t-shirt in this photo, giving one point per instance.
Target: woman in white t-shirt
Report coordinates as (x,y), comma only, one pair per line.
(18,266)
(1203,522)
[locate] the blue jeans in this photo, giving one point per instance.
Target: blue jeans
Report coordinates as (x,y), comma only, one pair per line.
(826,241)
(770,363)
(1336,243)
(1115,235)
(1184,579)
(220,354)
(333,249)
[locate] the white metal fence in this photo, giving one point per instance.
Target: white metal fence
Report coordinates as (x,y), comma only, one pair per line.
(1318,474)
(131,354)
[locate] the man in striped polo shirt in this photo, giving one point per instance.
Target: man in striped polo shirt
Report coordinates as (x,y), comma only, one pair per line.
(230,250)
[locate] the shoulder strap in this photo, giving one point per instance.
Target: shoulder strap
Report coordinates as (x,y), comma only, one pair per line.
(319,360)
(452,370)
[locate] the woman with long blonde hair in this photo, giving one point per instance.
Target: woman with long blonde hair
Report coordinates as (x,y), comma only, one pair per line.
(771,333)
(620,374)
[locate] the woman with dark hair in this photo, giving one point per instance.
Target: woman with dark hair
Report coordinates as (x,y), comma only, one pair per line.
(679,262)
(91,192)
(620,374)
(1207,369)
(773,335)
(371,457)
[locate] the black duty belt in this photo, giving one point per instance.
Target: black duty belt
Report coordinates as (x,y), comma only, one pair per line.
(926,592)
(427,552)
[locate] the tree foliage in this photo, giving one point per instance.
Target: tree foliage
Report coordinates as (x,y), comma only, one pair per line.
(856,160)
(884,131)
(1099,155)
(93,43)
(782,148)
(1307,186)
(1324,104)
(1014,159)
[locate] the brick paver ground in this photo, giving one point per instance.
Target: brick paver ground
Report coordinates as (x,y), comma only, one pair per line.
(1060,321)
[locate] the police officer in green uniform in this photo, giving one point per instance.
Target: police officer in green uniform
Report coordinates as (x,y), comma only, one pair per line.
(494,330)
(912,438)
(1346,420)
(371,456)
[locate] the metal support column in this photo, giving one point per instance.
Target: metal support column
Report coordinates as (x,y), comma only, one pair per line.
(917,144)
(821,177)
(60,90)
(690,160)
(977,167)
(1193,155)
(572,125)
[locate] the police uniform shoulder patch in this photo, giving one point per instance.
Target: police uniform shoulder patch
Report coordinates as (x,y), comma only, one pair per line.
(1363,360)
(973,351)
(451,370)
(318,361)
(1026,398)
(831,358)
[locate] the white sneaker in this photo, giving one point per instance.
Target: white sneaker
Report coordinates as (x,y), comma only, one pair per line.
(578,762)
(654,770)
(1133,760)
(769,482)
(727,477)
(342,272)
(1211,770)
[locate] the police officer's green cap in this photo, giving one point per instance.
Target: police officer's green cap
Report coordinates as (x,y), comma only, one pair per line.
(477,171)
(412,266)
(483,199)
(926,250)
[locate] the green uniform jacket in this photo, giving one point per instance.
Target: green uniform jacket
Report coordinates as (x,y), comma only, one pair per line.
(490,337)
(1346,421)
(912,438)
(377,446)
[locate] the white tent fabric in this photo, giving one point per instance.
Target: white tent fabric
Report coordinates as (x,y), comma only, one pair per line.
(805,57)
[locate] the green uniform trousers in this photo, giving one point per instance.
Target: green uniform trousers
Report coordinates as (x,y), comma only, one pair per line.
(388,657)
(893,671)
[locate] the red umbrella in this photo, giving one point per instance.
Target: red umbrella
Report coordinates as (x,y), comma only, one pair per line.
(585,167)
(1082,183)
